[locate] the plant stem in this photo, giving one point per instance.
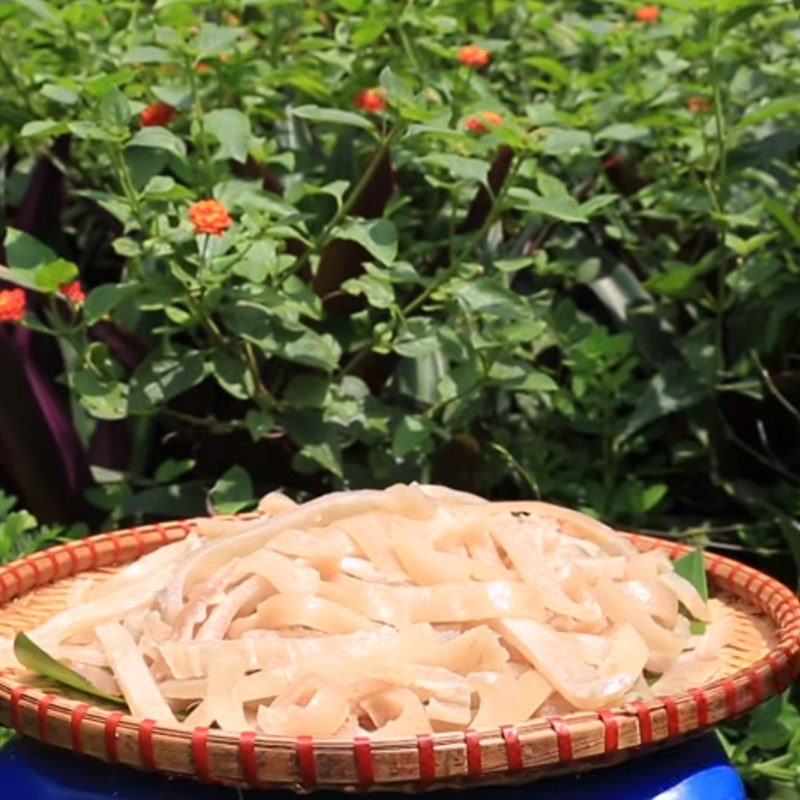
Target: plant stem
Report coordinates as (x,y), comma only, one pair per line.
(346,207)
(263,396)
(197,112)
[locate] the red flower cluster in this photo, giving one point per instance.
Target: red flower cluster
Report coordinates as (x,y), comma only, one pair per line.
(648,14)
(698,104)
(209,216)
(157,114)
(73,291)
(470,55)
(371,99)
(482,121)
(12,305)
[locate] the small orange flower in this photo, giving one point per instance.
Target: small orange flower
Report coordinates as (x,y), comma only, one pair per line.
(209,216)
(202,66)
(371,99)
(698,104)
(482,121)
(157,114)
(648,14)
(470,55)
(223,57)
(73,291)
(12,305)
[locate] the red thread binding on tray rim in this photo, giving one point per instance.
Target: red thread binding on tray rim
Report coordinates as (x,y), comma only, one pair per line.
(14,571)
(141,544)
(116,555)
(714,562)
(162,532)
(202,766)
(54,563)
(513,748)
(474,756)
(75,722)
(563,738)
(94,555)
(701,704)
(645,721)
(754,682)
(732,573)
(306,761)
(731,701)
(609,720)
(73,559)
(775,671)
(673,718)
(362,753)
(42,711)
(146,749)
(247,757)
(16,711)
(33,563)
(110,736)
(427,761)
(755,576)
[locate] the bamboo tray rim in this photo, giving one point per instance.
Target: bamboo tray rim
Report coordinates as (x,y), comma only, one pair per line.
(569,742)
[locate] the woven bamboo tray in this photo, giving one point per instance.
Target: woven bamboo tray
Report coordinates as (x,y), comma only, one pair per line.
(762,658)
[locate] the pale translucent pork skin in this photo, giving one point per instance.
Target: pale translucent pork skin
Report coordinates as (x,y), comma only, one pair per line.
(411,610)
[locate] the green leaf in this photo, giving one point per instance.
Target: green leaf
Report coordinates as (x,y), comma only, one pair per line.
(378,237)
(258,423)
(104,299)
(232,492)
(146,54)
(163,376)
(673,389)
(172,468)
(44,10)
(44,127)
(59,94)
(332,115)
(233,376)
(50,276)
(783,217)
(624,132)
(231,128)
(215,39)
(31,656)
(470,169)
(376,288)
(412,434)
(520,377)
(693,569)
(562,207)
(23,251)
(160,139)
(314,350)
(115,109)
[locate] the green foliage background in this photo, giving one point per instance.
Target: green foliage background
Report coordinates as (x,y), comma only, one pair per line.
(594,302)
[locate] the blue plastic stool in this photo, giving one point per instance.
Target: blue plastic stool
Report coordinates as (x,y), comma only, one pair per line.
(695,770)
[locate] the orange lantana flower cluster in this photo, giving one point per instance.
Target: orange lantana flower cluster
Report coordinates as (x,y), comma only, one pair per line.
(371,99)
(157,114)
(483,121)
(209,216)
(12,305)
(473,56)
